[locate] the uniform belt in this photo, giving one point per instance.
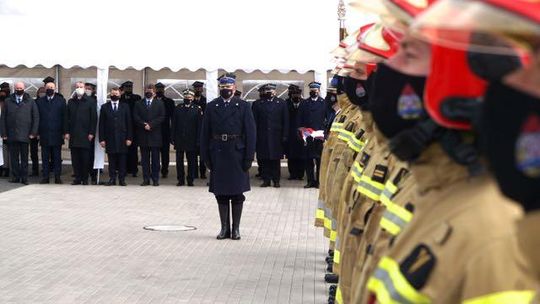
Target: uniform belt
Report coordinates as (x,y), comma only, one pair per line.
(226,137)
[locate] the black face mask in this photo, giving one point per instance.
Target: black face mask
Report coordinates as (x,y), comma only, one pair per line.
(296,98)
(225,93)
(187,102)
(115,97)
(49,92)
(160,94)
(267,95)
(356,91)
(396,100)
(148,95)
(511,142)
(128,90)
(313,94)
(19,92)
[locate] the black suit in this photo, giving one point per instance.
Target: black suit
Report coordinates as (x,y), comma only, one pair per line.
(186,121)
(201,102)
(52,111)
(115,128)
(150,141)
(166,132)
(81,121)
(132,156)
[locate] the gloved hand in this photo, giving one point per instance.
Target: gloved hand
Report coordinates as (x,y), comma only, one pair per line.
(246,164)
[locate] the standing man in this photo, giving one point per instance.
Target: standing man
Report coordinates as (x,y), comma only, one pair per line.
(116,135)
(18,125)
(311,114)
(149,114)
(200,100)
(185,136)
(228,137)
(295,145)
(52,128)
(165,128)
(131,99)
(80,131)
(4,94)
(34,142)
(272,121)
(90,91)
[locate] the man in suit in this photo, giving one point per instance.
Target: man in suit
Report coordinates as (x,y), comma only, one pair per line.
(295,145)
(131,99)
(52,112)
(18,125)
(165,128)
(185,137)
(200,100)
(116,135)
(272,121)
(228,146)
(311,114)
(81,124)
(149,114)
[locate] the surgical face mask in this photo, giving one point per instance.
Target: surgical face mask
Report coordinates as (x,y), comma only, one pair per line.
(510,136)
(49,92)
(19,92)
(148,95)
(79,91)
(225,93)
(313,94)
(115,97)
(396,101)
(88,92)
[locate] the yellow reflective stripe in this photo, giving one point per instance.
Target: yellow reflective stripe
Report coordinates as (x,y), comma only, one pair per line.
(390,226)
(346,136)
(389,191)
(336,126)
(319,214)
(339,296)
(337,256)
(504,297)
(333,236)
(327,223)
(356,144)
(356,171)
(370,188)
(390,286)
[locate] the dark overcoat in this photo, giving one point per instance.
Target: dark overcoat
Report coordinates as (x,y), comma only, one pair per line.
(272,120)
(115,127)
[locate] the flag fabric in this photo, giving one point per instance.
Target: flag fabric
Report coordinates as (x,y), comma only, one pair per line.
(309,132)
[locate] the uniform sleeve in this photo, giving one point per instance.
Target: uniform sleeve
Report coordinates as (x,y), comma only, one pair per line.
(498,274)
(93,119)
(205,136)
(250,133)
(129,125)
(67,127)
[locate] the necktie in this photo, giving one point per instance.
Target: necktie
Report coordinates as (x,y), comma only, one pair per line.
(148,103)
(114,107)
(18,100)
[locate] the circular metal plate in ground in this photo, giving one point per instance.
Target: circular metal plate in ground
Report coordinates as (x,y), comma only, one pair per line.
(170,228)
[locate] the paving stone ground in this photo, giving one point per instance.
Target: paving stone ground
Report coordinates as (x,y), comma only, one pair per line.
(86,244)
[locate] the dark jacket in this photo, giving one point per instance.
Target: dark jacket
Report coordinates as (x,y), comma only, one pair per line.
(201,103)
(115,128)
(52,120)
(272,120)
(19,121)
(311,114)
(154,116)
(166,125)
(226,157)
(295,144)
(186,124)
(131,100)
(81,121)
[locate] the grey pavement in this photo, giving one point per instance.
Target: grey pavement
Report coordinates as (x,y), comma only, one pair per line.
(86,244)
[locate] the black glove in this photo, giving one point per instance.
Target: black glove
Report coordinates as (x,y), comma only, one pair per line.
(246,164)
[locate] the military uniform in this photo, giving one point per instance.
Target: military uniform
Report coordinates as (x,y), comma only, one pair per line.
(200,100)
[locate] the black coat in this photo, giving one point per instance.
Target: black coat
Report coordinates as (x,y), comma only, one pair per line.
(81,121)
(115,128)
(272,120)
(166,125)
(131,100)
(295,144)
(201,103)
(186,125)
(19,121)
(312,114)
(52,120)
(154,116)
(226,157)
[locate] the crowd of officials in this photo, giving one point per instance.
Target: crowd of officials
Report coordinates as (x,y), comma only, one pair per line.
(137,130)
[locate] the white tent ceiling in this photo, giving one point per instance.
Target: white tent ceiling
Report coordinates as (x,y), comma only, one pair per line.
(249,35)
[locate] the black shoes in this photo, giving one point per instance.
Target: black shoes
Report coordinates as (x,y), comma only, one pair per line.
(111,182)
(15,180)
(57,180)
(180,183)
(24,181)
(309,185)
(276,185)
(265,184)
(122,183)
(155,183)
(236,216)
(145,183)
(224,217)
(44,181)
(84,183)
(76,182)
(190,184)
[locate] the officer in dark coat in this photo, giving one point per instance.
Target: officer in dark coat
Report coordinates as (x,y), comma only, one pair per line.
(165,128)
(311,114)
(200,100)
(81,124)
(149,114)
(272,119)
(116,135)
(52,112)
(295,145)
(18,124)
(185,136)
(131,99)
(228,146)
